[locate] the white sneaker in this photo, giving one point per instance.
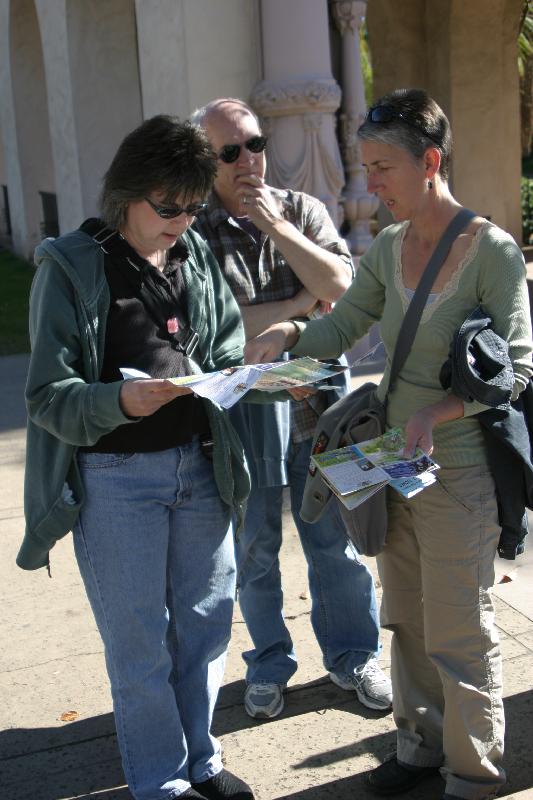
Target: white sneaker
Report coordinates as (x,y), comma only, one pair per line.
(373,687)
(264,700)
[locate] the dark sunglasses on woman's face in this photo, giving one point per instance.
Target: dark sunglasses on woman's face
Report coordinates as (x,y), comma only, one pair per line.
(170,212)
(387,113)
(231,152)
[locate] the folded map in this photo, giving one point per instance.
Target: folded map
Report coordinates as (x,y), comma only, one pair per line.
(356,472)
(227,386)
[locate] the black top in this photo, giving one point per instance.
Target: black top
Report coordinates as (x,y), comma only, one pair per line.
(135,338)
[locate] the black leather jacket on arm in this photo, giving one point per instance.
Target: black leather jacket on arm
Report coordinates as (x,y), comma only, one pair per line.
(479,368)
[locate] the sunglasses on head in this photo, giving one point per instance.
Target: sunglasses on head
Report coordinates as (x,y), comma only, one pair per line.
(387,113)
(170,212)
(231,152)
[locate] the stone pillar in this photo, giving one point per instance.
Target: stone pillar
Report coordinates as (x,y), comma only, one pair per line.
(191,52)
(90,57)
(23,102)
(464,55)
(359,206)
(297,100)
(54,34)
(161,28)
(13,171)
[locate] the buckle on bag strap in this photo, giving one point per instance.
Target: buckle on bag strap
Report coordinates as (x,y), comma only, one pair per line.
(103,235)
(190,344)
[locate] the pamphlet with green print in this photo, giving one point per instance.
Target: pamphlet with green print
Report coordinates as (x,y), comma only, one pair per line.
(356,472)
(227,386)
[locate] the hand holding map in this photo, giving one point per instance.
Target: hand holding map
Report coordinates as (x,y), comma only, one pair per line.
(227,386)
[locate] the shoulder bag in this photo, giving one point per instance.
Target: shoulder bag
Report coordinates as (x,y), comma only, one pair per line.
(361,415)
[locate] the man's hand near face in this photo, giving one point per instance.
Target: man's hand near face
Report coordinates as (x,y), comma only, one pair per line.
(258,203)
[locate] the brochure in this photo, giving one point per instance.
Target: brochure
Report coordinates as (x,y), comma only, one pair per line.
(228,386)
(356,472)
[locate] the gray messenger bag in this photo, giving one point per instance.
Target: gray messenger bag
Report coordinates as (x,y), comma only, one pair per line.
(361,415)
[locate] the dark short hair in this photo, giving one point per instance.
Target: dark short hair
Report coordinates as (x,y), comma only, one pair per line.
(424,115)
(161,155)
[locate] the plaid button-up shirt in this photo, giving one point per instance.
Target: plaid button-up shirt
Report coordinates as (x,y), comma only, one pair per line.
(258,273)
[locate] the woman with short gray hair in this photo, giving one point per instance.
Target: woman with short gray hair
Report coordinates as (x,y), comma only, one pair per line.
(437,566)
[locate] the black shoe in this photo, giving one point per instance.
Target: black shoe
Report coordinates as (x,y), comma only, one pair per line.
(393,778)
(224,786)
(190,794)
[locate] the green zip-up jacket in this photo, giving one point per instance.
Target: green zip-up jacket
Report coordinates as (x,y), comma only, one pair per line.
(67,405)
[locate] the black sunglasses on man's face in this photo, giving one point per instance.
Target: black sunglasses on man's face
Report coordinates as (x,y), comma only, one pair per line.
(387,113)
(231,152)
(170,212)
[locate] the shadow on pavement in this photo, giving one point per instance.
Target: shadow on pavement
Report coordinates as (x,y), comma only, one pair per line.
(353,788)
(78,760)
(314,697)
(82,760)
(518,762)
(13,371)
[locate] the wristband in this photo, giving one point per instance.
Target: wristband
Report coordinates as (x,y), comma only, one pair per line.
(297,329)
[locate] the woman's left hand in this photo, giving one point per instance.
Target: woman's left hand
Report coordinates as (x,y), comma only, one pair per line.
(419,432)
(419,428)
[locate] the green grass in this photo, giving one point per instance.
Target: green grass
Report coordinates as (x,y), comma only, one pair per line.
(15,281)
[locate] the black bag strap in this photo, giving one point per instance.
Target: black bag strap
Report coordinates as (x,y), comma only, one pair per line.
(158,301)
(416,306)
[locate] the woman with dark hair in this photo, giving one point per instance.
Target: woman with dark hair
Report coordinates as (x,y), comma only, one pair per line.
(146,474)
(437,565)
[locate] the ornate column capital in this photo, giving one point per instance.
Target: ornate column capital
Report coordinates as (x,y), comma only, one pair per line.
(275,99)
(349,15)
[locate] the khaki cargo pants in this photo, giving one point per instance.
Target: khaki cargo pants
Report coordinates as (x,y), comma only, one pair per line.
(437,572)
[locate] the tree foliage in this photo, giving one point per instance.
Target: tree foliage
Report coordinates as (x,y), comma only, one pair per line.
(525,70)
(366,65)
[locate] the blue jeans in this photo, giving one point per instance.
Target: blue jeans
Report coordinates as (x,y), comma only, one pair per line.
(343,602)
(155,550)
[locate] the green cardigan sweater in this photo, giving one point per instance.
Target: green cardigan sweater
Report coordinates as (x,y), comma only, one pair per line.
(492,273)
(68,406)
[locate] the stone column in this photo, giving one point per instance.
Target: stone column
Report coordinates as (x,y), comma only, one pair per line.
(297,100)
(464,55)
(359,206)
(161,28)
(13,171)
(65,147)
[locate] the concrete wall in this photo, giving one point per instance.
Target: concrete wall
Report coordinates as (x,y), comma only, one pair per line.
(210,50)
(105,85)
(224,49)
(464,54)
(77,75)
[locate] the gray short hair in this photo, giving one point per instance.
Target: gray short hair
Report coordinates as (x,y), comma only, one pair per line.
(426,125)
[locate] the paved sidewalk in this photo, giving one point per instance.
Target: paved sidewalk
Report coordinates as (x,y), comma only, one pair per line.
(51,663)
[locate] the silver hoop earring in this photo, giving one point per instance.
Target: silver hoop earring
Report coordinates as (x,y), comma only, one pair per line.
(430,184)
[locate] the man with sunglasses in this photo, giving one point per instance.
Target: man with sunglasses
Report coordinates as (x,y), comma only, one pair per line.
(283,258)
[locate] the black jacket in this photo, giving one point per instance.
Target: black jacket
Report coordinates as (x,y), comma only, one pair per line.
(479,368)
